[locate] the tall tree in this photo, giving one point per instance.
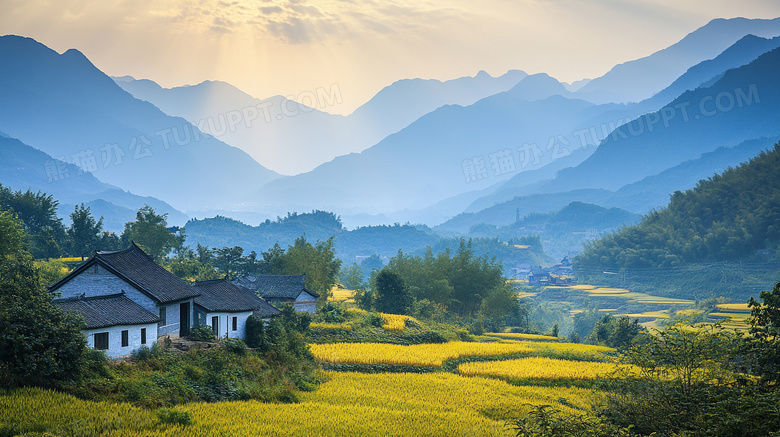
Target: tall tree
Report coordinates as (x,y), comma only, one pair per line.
(85,232)
(150,232)
(392,295)
(318,262)
(38,212)
(40,345)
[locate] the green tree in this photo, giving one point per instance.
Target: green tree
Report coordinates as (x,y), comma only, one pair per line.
(318,262)
(617,332)
(392,295)
(683,382)
(150,232)
(85,232)
(40,345)
(38,213)
(497,306)
(764,343)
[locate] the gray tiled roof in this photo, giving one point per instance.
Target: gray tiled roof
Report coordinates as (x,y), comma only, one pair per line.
(276,286)
(105,311)
(223,296)
(140,270)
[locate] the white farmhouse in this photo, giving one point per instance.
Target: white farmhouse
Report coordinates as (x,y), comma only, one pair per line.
(225,307)
(114,323)
(279,289)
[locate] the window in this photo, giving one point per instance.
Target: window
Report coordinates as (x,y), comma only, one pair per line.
(101,341)
(235,323)
(143,335)
(215,325)
(125,338)
(163,320)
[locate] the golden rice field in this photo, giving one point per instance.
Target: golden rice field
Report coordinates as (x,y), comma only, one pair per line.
(349,404)
(342,295)
(344,326)
(733,316)
(434,355)
(519,336)
(737,307)
(654,314)
(425,355)
(580,351)
(395,322)
(538,368)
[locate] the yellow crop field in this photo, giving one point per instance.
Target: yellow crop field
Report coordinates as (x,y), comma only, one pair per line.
(344,326)
(689,312)
(733,316)
(356,311)
(519,336)
(33,409)
(395,322)
(655,314)
(737,307)
(338,294)
(557,349)
(607,290)
(547,369)
(349,404)
(427,355)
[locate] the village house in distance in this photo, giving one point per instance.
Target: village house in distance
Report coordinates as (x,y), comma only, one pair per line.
(128,301)
(280,289)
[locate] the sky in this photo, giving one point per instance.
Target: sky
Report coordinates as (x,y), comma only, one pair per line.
(353,48)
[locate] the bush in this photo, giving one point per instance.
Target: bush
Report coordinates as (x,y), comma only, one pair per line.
(548,421)
(174,417)
(203,333)
(235,345)
(373,319)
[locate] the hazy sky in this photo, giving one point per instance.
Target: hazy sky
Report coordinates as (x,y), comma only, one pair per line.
(292,47)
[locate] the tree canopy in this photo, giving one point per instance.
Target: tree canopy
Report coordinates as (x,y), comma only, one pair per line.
(724,218)
(39,344)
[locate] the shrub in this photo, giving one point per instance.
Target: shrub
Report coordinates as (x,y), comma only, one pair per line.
(202,333)
(548,421)
(373,319)
(235,345)
(174,417)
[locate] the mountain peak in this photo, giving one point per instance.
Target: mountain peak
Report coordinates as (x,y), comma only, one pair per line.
(537,87)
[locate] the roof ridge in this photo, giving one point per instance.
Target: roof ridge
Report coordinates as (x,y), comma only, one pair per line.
(211,281)
(89,298)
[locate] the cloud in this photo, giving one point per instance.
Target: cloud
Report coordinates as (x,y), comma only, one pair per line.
(268,10)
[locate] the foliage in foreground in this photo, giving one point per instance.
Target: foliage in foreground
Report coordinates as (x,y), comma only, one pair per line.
(691,381)
(549,421)
(375,405)
(163,378)
(40,344)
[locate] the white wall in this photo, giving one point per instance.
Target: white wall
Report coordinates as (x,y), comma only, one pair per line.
(97,281)
(305,302)
(225,329)
(115,349)
(171,326)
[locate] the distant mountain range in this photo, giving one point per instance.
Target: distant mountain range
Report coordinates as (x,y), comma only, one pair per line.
(25,168)
(290,137)
(476,150)
(704,75)
(640,79)
(66,107)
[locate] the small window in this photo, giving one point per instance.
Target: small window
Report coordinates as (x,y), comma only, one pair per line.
(125,338)
(215,325)
(235,323)
(101,341)
(143,335)
(163,320)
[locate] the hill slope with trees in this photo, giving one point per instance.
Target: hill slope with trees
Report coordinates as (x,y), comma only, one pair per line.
(727,217)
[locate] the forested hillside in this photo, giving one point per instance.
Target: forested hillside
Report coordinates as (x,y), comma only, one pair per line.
(728,217)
